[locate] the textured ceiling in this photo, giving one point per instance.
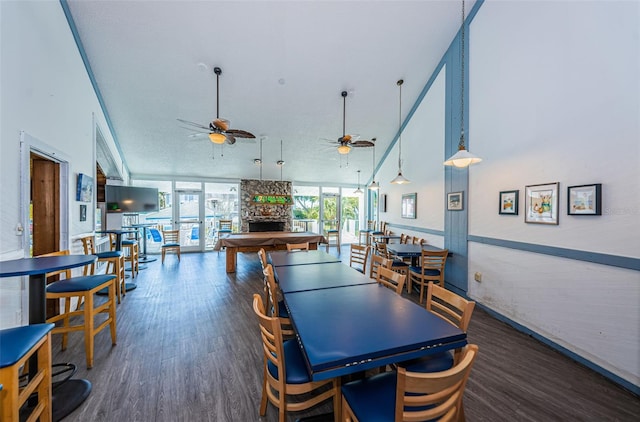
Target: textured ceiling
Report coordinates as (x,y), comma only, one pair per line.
(284,65)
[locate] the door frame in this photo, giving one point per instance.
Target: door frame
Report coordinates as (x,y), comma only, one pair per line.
(29,145)
(199,220)
(338,197)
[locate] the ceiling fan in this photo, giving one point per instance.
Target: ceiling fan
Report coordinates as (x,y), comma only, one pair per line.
(218,129)
(346,142)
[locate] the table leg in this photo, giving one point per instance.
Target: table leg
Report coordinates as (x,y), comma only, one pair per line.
(232,255)
(144,258)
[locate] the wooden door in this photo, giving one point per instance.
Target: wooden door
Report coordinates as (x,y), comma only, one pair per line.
(45,205)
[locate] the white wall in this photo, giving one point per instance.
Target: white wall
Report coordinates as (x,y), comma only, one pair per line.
(46,92)
(422,157)
(554,97)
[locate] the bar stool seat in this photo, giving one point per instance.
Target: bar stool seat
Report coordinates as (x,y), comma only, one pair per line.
(17,345)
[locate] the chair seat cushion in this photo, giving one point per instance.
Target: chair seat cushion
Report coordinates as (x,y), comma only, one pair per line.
(294,363)
(171,245)
(79,284)
(398,263)
(428,271)
(128,242)
(282,310)
(332,231)
(434,363)
(373,398)
(16,342)
(109,254)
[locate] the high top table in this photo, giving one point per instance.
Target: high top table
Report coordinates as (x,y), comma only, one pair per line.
(69,395)
(349,329)
(286,258)
(144,258)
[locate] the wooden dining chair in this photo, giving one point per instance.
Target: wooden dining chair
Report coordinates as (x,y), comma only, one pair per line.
(113,259)
(391,279)
(403,395)
(397,265)
(83,289)
(298,246)
(431,269)
(275,304)
(359,256)
(285,373)
(454,309)
(376,262)
(171,242)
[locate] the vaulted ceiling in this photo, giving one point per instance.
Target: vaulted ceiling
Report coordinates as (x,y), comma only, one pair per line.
(284,65)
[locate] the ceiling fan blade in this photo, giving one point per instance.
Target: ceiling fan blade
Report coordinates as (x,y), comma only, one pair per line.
(362,144)
(239,133)
(186,122)
(230,139)
(197,135)
(221,124)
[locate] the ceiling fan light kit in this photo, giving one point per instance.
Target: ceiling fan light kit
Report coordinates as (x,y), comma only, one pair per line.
(218,129)
(344,149)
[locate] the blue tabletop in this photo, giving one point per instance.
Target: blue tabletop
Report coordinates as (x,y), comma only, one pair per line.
(298,278)
(285,258)
(349,329)
(403,249)
(42,265)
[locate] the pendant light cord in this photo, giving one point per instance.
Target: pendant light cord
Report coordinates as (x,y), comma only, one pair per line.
(462,36)
(400,82)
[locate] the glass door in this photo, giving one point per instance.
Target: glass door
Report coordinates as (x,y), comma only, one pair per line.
(189,219)
(330,211)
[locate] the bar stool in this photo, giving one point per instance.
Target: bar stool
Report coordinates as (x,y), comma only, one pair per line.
(133,254)
(114,260)
(17,345)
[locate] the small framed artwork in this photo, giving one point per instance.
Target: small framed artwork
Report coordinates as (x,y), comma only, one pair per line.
(455,201)
(541,203)
(383,202)
(409,205)
(84,188)
(83,213)
(508,202)
(584,199)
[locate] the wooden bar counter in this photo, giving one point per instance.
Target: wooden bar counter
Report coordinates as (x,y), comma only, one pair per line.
(270,241)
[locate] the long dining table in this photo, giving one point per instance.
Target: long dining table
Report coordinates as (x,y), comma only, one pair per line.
(346,323)
(287,259)
(405,250)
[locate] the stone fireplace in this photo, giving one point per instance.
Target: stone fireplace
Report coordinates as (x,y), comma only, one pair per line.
(264,217)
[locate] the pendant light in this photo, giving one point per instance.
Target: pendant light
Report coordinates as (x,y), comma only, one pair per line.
(400,179)
(358,191)
(280,162)
(462,158)
(373,185)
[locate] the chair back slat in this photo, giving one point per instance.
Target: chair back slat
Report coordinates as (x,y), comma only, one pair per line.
(359,257)
(440,392)
(378,261)
(391,279)
(298,246)
(449,306)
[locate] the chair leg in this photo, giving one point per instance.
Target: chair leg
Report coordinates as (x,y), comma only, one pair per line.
(265,385)
(88,328)
(112,311)
(163,252)
(65,320)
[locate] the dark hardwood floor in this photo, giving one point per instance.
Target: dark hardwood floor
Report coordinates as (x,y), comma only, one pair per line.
(188,350)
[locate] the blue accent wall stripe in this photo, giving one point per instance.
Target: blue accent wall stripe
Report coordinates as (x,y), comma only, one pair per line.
(417,229)
(597,258)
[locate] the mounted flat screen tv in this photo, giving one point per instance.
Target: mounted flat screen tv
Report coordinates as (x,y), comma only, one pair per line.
(131,199)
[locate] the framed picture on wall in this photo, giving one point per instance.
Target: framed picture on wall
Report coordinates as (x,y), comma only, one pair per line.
(584,200)
(409,205)
(383,202)
(508,202)
(83,212)
(541,203)
(84,188)
(455,201)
